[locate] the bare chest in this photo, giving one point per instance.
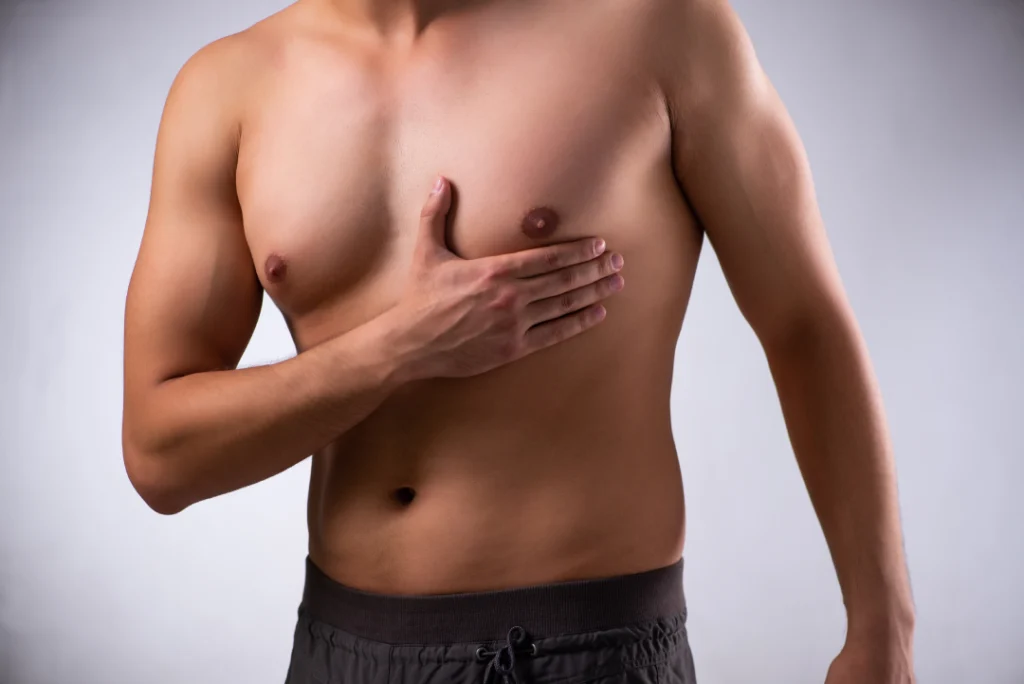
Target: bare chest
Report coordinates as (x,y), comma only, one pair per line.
(341,148)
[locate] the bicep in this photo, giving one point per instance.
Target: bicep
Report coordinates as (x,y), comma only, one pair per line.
(194,298)
(744,170)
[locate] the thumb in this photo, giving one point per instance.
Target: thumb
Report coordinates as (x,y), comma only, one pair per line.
(434,219)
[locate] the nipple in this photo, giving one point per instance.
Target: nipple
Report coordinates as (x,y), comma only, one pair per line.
(275,268)
(539,223)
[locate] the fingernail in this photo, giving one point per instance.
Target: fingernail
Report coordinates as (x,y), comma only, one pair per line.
(438,184)
(617,261)
(599,246)
(617,283)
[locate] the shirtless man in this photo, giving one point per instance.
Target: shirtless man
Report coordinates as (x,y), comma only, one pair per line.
(495,494)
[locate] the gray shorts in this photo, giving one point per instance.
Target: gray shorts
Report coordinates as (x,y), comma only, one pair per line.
(618,630)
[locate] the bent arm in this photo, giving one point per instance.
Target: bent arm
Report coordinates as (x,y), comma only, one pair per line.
(742,167)
(194,425)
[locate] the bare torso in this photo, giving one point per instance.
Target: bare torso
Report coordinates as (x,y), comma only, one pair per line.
(562,464)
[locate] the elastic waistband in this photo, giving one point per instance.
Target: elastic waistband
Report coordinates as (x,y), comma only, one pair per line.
(543,610)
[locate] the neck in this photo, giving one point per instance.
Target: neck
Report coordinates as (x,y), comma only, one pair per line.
(394,16)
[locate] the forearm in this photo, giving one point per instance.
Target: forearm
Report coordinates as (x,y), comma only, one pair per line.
(833,412)
(204,434)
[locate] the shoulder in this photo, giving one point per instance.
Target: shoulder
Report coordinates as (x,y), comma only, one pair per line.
(686,24)
(701,52)
(210,98)
(221,77)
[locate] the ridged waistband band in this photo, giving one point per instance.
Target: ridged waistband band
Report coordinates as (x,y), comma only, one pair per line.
(543,610)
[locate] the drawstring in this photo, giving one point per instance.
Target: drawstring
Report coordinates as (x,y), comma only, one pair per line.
(505,667)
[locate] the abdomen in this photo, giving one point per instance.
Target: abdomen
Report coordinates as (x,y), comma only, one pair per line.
(559,465)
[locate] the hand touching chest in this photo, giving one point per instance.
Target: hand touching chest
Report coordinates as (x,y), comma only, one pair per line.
(543,143)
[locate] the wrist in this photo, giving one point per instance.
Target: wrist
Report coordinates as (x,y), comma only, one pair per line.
(889,622)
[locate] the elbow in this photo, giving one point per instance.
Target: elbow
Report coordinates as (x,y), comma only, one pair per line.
(801,334)
(154,481)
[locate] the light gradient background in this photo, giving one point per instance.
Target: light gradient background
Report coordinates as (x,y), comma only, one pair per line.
(913,116)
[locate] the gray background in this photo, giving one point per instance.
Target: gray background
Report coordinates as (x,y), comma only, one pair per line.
(912,114)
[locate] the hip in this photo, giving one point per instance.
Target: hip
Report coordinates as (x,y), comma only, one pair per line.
(622,628)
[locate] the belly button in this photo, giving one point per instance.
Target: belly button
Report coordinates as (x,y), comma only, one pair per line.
(540,223)
(404,495)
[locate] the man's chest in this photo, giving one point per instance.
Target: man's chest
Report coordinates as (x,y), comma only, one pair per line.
(339,152)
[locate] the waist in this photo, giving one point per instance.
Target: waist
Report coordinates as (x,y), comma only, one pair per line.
(489,518)
(549,609)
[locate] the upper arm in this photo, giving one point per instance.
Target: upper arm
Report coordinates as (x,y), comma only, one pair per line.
(194,298)
(744,171)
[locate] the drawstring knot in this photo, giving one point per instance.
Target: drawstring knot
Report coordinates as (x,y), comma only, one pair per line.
(503,660)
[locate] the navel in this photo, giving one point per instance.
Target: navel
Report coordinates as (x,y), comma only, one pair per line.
(540,223)
(404,495)
(275,268)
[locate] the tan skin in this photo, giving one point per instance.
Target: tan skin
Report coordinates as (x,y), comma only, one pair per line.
(487,406)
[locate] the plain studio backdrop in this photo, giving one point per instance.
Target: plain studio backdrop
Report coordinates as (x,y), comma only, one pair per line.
(913,117)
